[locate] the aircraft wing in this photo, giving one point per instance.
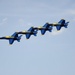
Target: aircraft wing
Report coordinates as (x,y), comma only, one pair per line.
(31,29)
(28,36)
(58,27)
(15,34)
(43,31)
(62,21)
(11,41)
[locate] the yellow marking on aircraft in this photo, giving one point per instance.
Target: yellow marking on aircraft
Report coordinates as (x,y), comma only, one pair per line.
(23,31)
(8,36)
(55,24)
(40,27)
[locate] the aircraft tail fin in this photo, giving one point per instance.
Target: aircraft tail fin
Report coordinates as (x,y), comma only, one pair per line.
(66,24)
(62,21)
(19,38)
(50,28)
(35,33)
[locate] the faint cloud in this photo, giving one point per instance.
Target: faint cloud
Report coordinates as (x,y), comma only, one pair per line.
(57,32)
(23,23)
(4,20)
(70,11)
(74,19)
(29,24)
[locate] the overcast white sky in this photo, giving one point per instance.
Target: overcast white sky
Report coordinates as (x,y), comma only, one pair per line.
(51,54)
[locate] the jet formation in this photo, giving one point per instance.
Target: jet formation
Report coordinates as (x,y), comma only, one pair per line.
(34,30)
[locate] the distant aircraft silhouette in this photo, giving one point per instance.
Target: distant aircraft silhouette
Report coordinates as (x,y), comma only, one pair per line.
(31,31)
(46,27)
(60,24)
(12,38)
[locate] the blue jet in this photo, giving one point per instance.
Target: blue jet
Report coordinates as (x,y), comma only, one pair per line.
(12,38)
(46,27)
(60,24)
(31,31)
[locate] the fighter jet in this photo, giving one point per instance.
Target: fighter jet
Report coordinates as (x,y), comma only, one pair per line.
(31,31)
(60,24)
(46,27)
(12,38)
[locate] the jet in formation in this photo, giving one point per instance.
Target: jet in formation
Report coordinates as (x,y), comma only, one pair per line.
(31,31)
(46,27)
(60,24)
(12,38)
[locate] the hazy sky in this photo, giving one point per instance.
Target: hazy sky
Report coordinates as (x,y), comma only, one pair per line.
(51,54)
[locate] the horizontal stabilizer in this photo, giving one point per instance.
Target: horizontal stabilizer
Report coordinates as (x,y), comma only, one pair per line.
(62,21)
(66,24)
